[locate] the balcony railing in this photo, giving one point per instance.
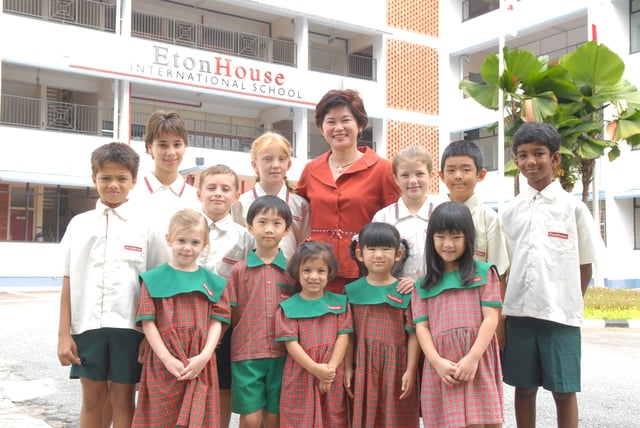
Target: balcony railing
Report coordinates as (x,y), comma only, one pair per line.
(330,61)
(53,115)
(77,118)
(556,54)
(169,30)
(85,13)
(474,8)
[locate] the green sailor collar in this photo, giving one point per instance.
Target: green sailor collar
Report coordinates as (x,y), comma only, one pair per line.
(297,307)
(360,292)
(165,281)
(451,280)
(253,260)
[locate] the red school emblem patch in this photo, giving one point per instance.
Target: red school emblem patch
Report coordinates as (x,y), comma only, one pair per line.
(394,298)
(558,235)
(229,261)
(477,279)
(132,248)
(207,288)
(334,308)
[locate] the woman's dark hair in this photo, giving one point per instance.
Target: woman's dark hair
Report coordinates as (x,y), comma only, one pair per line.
(345,97)
(380,235)
(450,217)
(308,251)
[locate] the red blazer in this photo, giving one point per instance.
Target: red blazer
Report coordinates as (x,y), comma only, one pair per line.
(339,208)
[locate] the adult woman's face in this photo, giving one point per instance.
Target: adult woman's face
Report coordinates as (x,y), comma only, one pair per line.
(340,128)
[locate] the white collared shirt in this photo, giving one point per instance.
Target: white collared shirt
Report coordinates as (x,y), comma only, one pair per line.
(229,243)
(413,228)
(301,219)
(549,235)
(491,246)
(160,202)
(104,251)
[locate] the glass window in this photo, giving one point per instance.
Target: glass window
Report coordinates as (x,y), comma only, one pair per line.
(41,213)
(634,26)
(603,218)
(636,223)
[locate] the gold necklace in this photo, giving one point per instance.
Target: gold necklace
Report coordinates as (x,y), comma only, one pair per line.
(341,168)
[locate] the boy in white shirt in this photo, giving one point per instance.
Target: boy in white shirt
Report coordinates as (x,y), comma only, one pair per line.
(552,242)
(229,243)
(413,172)
(105,250)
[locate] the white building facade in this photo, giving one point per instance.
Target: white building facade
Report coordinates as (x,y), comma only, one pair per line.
(551,28)
(81,73)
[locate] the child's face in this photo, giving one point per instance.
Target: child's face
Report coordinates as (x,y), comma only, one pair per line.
(271,165)
(379,260)
(217,193)
(536,162)
(268,228)
(113,183)
(314,275)
(413,178)
(167,151)
(186,245)
(450,246)
(460,175)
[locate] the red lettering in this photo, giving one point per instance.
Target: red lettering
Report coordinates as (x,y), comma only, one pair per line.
(255,74)
(226,67)
(241,73)
(267,77)
(280,79)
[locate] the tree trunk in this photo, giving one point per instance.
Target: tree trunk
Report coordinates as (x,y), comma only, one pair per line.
(516,184)
(586,173)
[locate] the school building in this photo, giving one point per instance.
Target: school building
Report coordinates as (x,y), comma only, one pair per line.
(76,74)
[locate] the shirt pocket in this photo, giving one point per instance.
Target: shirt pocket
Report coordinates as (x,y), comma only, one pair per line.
(134,252)
(229,260)
(480,252)
(558,235)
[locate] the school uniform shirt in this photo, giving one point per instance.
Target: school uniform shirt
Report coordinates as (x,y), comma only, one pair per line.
(549,235)
(339,208)
(301,221)
(413,228)
(229,243)
(256,289)
(105,250)
(491,246)
(160,202)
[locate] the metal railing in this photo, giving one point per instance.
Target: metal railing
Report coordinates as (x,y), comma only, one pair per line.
(169,30)
(556,54)
(84,119)
(85,13)
(53,115)
(474,8)
(330,61)
(214,135)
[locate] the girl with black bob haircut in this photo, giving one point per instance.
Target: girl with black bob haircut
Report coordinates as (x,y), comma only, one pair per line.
(312,250)
(380,235)
(452,217)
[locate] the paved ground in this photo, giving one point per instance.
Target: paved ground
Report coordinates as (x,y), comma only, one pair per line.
(36,392)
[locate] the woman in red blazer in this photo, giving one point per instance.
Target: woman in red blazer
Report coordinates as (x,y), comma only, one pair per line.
(348,184)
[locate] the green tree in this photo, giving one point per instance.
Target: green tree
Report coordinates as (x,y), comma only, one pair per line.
(572,95)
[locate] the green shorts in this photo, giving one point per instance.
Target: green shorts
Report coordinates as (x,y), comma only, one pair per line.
(541,353)
(255,385)
(108,354)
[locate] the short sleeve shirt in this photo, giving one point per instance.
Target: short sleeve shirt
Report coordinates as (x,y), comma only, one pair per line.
(549,235)
(255,290)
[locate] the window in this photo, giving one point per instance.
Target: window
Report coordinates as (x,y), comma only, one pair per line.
(41,213)
(487,141)
(634,26)
(636,223)
(603,217)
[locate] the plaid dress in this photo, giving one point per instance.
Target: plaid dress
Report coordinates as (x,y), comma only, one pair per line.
(315,324)
(381,319)
(182,304)
(454,313)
